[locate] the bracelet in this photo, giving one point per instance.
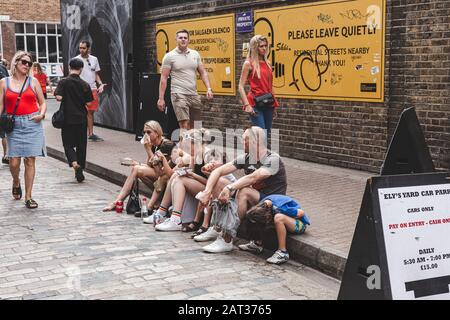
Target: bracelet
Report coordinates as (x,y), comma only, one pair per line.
(209,89)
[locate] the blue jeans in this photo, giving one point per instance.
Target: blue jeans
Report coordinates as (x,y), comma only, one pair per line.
(263,118)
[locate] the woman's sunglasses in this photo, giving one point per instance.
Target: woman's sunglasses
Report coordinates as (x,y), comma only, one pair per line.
(147,132)
(26,63)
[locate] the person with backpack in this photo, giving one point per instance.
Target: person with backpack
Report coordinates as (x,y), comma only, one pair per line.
(75,96)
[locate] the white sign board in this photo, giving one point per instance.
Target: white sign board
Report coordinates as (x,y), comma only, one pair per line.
(53,69)
(416,227)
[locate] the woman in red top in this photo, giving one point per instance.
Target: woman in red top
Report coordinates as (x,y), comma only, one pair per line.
(27,138)
(39,74)
(258,72)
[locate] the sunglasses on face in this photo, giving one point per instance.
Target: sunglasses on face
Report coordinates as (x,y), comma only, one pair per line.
(147,132)
(26,63)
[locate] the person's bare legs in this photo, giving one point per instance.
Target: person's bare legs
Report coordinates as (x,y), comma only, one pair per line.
(5,146)
(167,198)
(179,187)
(30,171)
(156,196)
(90,122)
(199,215)
(136,172)
(283,224)
(14,168)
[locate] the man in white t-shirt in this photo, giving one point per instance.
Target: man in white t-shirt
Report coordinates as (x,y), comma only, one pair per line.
(182,64)
(91,75)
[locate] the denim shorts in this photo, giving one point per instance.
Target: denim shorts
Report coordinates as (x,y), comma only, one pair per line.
(27,138)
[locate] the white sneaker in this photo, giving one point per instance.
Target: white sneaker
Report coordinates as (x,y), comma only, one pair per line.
(278,257)
(168,225)
(209,235)
(219,246)
(148,220)
(251,247)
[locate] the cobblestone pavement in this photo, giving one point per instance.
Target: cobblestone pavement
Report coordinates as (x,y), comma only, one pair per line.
(69,249)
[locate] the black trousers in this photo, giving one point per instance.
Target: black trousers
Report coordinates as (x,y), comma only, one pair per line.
(74,137)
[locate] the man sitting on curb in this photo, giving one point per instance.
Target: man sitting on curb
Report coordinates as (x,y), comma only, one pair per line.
(265,175)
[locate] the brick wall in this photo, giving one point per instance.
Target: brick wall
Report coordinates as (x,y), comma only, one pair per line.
(9,40)
(32,10)
(420,70)
(343,133)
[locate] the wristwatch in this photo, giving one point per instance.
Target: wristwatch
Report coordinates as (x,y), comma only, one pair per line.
(229,187)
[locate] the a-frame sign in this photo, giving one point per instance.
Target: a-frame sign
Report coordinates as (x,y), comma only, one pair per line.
(400,248)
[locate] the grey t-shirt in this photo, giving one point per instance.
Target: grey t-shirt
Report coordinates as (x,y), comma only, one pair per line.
(276,183)
(183,72)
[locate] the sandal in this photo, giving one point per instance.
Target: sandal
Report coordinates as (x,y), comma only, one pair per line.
(31,204)
(17,192)
(193,226)
(110,207)
(199,232)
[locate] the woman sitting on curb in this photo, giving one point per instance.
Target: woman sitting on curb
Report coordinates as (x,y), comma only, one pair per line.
(185,182)
(153,142)
(286,214)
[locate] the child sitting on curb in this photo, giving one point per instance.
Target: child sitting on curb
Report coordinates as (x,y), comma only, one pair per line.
(287,216)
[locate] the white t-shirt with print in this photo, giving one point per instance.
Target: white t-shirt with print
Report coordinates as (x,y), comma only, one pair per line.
(91,66)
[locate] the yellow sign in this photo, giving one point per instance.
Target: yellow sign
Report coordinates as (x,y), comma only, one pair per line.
(331,50)
(213,38)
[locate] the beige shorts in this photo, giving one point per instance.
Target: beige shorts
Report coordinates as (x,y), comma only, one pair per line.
(186,107)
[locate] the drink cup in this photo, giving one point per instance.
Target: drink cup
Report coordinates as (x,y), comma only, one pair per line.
(119,206)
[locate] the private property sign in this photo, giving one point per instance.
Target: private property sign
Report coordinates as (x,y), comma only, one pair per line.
(244,22)
(416,228)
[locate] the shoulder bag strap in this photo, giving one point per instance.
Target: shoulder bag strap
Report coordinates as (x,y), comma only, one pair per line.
(20,94)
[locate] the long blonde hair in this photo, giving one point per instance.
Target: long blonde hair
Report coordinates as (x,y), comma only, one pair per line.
(155,127)
(15,60)
(253,54)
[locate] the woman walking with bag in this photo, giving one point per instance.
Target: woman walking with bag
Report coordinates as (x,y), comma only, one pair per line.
(21,96)
(259,103)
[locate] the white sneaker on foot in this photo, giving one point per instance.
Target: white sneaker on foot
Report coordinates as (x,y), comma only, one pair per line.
(219,246)
(278,257)
(251,247)
(148,220)
(209,235)
(168,225)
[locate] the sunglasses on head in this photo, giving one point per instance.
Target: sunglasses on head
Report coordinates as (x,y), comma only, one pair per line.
(26,63)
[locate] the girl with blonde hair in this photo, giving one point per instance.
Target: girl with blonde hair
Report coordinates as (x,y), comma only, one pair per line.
(260,102)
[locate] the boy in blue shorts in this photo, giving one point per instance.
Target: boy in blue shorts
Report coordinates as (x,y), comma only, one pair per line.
(287,216)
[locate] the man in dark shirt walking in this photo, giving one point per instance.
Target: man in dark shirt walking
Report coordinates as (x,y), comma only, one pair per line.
(75,96)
